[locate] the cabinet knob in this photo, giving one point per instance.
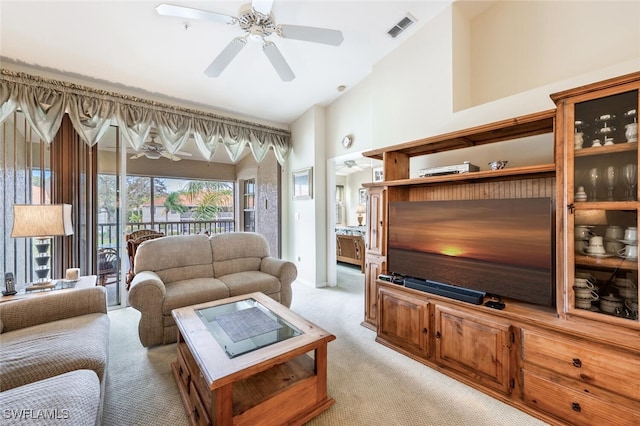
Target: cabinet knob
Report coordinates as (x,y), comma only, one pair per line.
(180,370)
(425,331)
(196,415)
(577,363)
(438,334)
(576,407)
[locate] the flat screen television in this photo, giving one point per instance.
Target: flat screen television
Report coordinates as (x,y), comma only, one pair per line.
(504,247)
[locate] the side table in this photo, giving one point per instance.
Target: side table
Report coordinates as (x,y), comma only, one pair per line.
(83,282)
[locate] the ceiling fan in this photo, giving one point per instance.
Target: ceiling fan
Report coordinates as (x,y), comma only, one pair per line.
(351,166)
(154,150)
(258,23)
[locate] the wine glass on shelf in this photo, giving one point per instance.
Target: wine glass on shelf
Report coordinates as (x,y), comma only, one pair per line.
(630,175)
(612,174)
(593,179)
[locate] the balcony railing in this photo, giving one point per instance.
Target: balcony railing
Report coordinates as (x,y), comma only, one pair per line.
(107,232)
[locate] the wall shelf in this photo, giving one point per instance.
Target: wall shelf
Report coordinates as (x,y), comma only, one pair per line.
(543,170)
(513,128)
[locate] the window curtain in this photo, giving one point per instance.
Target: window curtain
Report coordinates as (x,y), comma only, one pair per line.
(91,111)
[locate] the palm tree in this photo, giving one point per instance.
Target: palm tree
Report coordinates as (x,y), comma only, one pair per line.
(211,197)
(173,204)
(210,205)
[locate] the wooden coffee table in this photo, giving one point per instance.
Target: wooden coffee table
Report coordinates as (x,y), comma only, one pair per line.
(227,378)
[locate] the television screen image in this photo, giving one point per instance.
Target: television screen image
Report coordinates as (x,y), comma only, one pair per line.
(503,247)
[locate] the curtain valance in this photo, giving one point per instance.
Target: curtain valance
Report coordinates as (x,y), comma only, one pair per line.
(92,111)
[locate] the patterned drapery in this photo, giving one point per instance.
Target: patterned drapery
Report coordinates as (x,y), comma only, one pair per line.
(92,111)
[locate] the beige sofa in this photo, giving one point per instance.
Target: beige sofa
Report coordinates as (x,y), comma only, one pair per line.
(53,358)
(177,271)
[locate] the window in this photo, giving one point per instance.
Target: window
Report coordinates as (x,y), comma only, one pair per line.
(249,210)
(179,206)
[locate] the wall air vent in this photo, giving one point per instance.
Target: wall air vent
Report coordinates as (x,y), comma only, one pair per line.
(401,26)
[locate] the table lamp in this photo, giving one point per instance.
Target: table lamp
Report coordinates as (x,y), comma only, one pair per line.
(360,211)
(41,221)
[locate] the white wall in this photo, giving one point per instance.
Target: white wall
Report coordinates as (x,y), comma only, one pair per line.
(519,46)
(307,219)
(410,93)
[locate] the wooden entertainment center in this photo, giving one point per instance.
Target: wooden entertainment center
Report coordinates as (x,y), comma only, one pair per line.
(561,364)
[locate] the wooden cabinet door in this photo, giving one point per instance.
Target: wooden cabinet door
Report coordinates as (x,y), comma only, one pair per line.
(478,347)
(374,266)
(403,321)
(377,222)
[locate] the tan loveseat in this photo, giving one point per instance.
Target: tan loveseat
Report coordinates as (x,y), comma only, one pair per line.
(53,358)
(177,271)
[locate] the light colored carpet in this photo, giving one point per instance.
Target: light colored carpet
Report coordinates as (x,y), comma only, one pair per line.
(372,384)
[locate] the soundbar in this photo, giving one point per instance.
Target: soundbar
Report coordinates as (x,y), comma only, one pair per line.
(451,291)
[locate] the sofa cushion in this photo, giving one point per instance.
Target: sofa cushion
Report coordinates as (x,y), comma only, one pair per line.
(191,292)
(68,399)
(250,282)
(175,258)
(237,252)
(53,348)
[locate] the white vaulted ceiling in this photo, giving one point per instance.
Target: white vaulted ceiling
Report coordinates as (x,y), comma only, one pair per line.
(129,45)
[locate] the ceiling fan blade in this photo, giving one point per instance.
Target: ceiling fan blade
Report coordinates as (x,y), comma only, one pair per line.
(278,61)
(190,13)
(171,157)
(184,154)
(312,34)
(225,57)
(262,6)
(135,157)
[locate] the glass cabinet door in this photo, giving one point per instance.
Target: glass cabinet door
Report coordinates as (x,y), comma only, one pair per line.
(602,174)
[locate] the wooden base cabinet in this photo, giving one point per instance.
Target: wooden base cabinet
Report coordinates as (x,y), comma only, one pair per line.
(403,321)
(478,347)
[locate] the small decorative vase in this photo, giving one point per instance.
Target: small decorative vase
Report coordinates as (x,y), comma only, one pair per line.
(631,132)
(581,195)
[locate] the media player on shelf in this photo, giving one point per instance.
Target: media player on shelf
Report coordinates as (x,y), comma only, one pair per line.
(465,167)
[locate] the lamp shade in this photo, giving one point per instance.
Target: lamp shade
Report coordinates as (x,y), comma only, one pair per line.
(361,209)
(41,220)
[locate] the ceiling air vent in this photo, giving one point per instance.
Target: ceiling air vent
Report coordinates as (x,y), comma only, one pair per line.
(400,26)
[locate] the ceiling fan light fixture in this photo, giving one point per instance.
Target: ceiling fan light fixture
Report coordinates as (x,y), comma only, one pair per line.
(256,33)
(152,155)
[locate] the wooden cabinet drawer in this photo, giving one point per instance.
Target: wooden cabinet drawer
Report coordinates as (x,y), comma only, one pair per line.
(198,412)
(195,376)
(183,371)
(574,406)
(588,362)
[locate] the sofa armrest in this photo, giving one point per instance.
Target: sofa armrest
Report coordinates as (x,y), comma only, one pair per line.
(58,305)
(147,291)
(285,271)
(146,294)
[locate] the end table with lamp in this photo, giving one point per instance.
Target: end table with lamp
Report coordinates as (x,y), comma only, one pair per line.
(42,222)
